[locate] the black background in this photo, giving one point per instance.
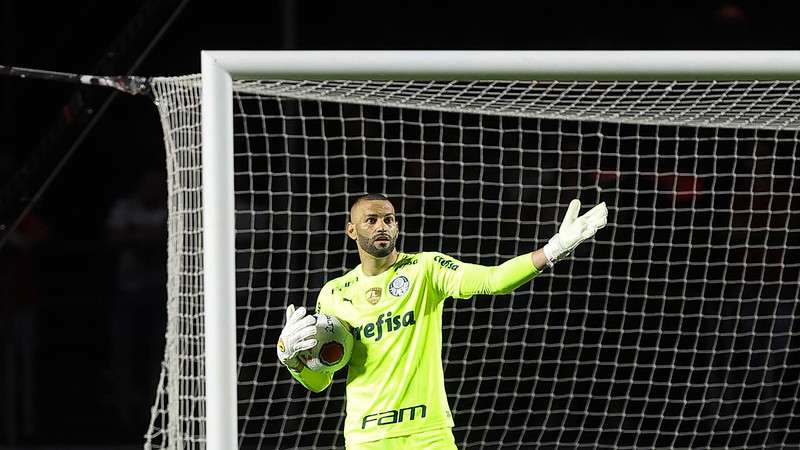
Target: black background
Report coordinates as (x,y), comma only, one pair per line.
(74,263)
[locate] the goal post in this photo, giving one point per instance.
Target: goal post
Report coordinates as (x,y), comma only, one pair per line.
(576,65)
(768,111)
(219,255)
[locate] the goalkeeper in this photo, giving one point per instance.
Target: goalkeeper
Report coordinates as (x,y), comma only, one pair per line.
(395,382)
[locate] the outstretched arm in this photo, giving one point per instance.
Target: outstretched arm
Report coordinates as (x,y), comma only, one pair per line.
(502,279)
(474,279)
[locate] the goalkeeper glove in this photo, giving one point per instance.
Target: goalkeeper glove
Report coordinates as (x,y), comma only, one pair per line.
(299,333)
(574,230)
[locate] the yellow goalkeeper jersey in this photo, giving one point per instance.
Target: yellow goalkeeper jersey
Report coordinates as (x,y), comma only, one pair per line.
(395,382)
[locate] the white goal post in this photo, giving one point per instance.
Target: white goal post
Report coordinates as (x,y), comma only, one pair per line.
(220,68)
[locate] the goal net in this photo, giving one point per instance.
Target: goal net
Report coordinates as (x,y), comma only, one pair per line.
(676,327)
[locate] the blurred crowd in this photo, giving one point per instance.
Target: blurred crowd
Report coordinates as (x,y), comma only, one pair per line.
(45,319)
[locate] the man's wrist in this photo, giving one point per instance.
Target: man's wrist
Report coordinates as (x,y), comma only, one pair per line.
(553,251)
(539,260)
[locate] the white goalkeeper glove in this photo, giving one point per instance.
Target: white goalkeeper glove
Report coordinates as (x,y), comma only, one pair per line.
(299,333)
(574,230)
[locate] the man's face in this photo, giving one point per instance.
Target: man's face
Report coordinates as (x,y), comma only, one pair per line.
(373,226)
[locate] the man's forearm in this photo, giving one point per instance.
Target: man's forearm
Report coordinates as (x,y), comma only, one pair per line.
(504,278)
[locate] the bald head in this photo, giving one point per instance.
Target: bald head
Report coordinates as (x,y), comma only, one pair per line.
(373,225)
(365,198)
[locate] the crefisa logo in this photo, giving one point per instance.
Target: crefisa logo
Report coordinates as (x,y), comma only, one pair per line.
(399,286)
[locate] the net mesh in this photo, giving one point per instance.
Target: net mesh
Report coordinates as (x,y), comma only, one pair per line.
(675,327)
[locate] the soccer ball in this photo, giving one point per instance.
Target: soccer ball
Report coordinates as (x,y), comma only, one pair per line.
(334,345)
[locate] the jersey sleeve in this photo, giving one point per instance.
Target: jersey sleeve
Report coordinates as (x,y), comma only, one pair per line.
(313,381)
(323,300)
(452,278)
(445,274)
(316,381)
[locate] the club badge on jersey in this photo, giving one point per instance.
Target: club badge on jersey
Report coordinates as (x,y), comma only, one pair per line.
(374,295)
(399,286)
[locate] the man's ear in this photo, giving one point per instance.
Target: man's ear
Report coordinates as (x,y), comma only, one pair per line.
(351,231)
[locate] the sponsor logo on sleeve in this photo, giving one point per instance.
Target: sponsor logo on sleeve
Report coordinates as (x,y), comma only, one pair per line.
(446,263)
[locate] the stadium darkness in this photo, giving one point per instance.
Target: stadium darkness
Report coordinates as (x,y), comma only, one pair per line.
(73,258)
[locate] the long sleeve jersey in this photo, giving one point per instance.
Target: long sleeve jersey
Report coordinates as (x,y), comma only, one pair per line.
(395,380)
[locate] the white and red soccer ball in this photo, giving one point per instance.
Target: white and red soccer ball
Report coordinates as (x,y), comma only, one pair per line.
(334,345)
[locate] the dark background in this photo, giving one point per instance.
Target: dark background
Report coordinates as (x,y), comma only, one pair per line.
(65,273)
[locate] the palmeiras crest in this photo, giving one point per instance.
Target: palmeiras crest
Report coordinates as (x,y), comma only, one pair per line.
(399,286)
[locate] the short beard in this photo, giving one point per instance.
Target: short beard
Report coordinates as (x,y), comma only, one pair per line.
(379,252)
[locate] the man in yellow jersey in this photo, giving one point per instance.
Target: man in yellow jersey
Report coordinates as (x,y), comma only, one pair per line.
(395,383)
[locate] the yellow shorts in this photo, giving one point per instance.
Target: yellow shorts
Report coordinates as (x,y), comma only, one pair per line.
(441,439)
